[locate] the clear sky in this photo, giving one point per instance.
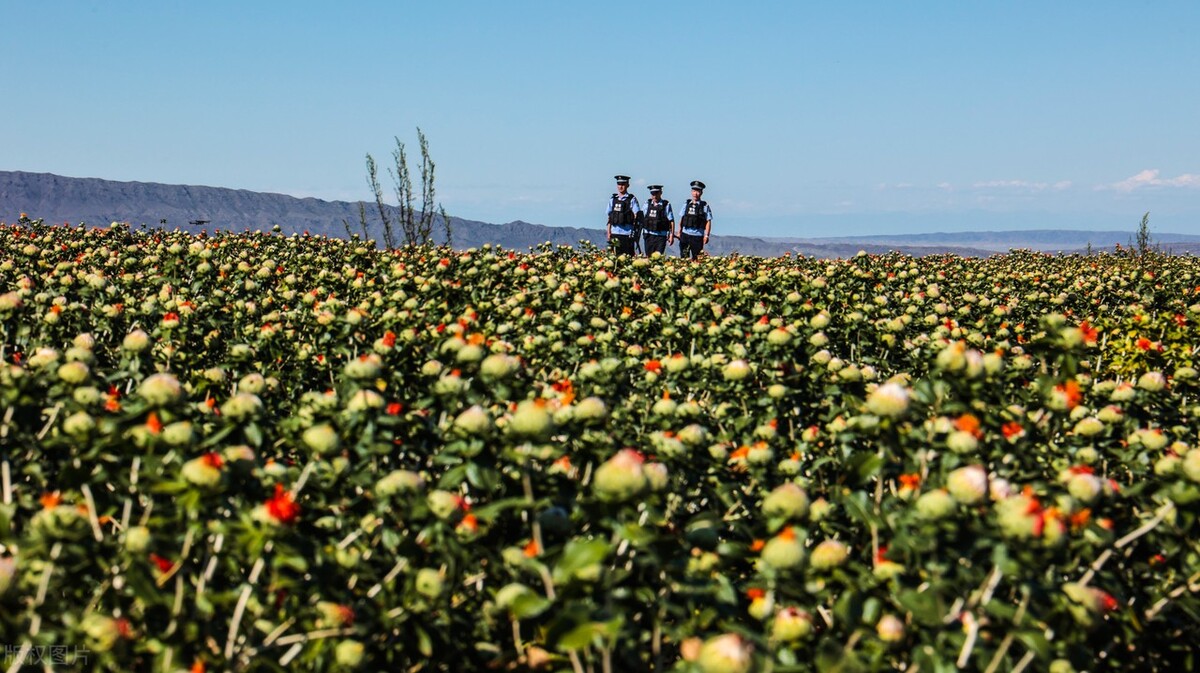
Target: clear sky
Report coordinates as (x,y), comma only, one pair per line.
(804,118)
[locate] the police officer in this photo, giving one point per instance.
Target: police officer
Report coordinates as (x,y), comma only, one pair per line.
(695,225)
(623,214)
(658,223)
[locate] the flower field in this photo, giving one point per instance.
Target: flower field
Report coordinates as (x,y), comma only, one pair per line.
(268,453)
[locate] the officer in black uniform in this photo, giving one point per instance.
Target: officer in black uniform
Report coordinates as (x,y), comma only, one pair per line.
(695,225)
(658,223)
(623,215)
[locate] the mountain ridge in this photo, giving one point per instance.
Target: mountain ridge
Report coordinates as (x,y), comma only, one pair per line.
(97,201)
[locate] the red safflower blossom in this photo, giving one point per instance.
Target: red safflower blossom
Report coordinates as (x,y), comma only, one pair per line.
(153,424)
(394,409)
(1107,602)
(1144,344)
(164,564)
(969,423)
(1090,334)
(282,507)
(1071,393)
(881,555)
(469,524)
(1012,430)
(213,460)
(389,339)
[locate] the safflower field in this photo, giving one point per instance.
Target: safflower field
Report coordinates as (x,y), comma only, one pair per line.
(257,452)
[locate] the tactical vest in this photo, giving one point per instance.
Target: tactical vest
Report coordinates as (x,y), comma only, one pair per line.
(694,217)
(656,217)
(622,212)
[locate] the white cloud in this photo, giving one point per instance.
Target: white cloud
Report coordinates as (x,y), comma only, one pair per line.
(1150,178)
(1023,185)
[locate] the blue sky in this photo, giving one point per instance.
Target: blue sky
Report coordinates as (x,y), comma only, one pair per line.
(804,119)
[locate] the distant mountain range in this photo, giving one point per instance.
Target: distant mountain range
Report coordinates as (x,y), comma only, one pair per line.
(95,201)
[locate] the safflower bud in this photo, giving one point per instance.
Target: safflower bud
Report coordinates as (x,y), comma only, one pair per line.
(1085,487)
(727,653)
(443,504)
(160,389)
(962,442)
(498,366)
(364,400)
(79,424)
(889,400)
(1191,465)
(398,482)
(890,629)
(365,367)
(321,439)
(783,551)
(73,373)
(101,632)
(252,383)
(787,500)
(348,653)
(530,420)
(136,341)
(791,624)
(137,539)
(657,476)
(428,582)
(968,485)
(591,409)
(779,337)
(178,433)
(1152,382)
(829,554)
(620,477)
(203,471)
(736,370)
(934,505)
(1089,427)
(7,572)
(240,406)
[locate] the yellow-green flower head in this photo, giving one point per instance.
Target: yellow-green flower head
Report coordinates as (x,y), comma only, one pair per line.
(621,477)
(160,389)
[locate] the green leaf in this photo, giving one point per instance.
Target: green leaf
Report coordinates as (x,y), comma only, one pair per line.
(529,605)
(1036,642)
(253,434)
(579,637)
(579,554)
(922,604)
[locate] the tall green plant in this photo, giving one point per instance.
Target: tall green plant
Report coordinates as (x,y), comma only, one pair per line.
(1143,236)
(415,225)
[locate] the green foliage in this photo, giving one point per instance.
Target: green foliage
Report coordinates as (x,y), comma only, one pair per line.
(255,452)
